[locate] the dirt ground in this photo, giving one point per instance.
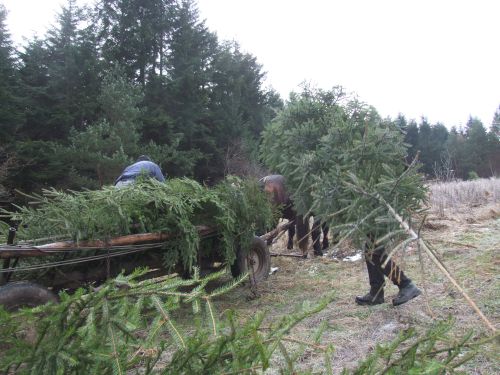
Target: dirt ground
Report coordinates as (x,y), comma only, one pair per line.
(469,243)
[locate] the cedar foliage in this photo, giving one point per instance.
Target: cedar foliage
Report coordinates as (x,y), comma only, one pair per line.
(236,209)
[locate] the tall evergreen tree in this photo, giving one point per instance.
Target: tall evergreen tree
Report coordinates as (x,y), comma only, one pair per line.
(99,152)
(431,142)
(438,156)
(495,124)
(38,102)
(424,146)
(411,138)
(10,107)
(60,76)
(455,148)
(133,34)
(157,124)
(71,64)
(476,148)
(494,145)
(188,71)
(238,104)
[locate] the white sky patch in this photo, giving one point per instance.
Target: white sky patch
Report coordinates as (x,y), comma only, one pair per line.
(433,58)
(27,18)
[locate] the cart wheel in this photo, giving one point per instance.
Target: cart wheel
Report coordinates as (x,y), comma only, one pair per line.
(25,294)
(257,262)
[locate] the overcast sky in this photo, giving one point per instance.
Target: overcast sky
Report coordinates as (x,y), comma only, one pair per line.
(433,58)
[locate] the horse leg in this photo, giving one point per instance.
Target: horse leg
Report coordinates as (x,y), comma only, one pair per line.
(302,233)
(325,229)
(315,234)
(291,233)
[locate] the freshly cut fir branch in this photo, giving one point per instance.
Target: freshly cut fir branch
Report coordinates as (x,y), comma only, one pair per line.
(127,325)
(116,329)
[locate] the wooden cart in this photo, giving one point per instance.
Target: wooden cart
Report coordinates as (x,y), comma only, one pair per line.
(75,263)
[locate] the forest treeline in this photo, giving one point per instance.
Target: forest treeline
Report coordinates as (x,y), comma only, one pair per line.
(127,77)
(463,153)
(120,79)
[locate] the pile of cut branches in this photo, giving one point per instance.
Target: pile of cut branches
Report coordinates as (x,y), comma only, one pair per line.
(235,208)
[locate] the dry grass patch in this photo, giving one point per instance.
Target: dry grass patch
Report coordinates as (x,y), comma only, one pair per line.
(449,198)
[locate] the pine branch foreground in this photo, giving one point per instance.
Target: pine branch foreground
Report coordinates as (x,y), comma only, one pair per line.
(135,326)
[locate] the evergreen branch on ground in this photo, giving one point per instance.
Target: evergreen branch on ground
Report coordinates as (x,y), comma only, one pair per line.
(131,326)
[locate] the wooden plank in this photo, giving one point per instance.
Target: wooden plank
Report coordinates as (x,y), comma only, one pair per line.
(275,232)
(9,251)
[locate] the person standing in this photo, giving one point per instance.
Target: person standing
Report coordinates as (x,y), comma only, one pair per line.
(143,166)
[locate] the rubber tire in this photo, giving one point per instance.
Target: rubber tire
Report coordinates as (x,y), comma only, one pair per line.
(25,294)
(258,252)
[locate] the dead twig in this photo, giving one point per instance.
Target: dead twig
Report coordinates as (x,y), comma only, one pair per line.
(273,254)
(243,371)
(422,270)
(437,262)
(454,243)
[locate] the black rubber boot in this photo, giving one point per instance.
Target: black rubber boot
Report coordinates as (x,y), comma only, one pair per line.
(373,297)
(406,293)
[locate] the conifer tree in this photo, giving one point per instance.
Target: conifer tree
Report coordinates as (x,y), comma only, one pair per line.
(10,108)
(133,34)
(98,153)
(338,155)
(494,145)
(476,149)
(238,105)
(424,146)
(495,124)
(35,80)
(455,148)
(71,66)
(411,138)
(191,45)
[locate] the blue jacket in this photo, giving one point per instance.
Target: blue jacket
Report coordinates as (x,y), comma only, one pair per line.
(139,168)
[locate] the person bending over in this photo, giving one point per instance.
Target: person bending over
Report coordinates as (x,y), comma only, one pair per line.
(143,166)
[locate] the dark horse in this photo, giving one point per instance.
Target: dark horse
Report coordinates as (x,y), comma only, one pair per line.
(274,185)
